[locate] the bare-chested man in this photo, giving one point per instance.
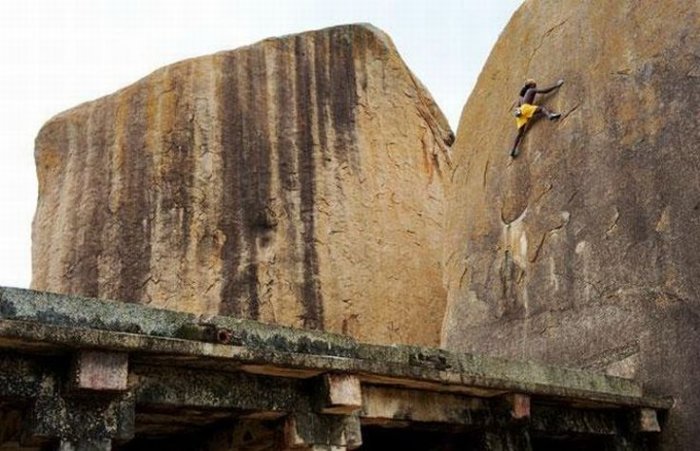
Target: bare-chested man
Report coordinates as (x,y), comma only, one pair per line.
(527,110)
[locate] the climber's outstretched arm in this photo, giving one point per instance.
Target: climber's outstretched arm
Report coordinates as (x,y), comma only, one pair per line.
(551,88)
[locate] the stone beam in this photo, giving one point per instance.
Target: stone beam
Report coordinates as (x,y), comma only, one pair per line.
(309,431)
(239,391)
(342,394)
(645,420)
(390,405)
(100,371)
(519,406)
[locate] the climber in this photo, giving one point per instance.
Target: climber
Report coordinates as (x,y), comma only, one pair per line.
(526,110)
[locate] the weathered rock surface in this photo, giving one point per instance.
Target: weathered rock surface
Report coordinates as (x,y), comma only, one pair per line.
(295,181)
(585,250)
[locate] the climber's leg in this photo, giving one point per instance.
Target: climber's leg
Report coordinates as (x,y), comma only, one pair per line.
(551,115)
(518,138)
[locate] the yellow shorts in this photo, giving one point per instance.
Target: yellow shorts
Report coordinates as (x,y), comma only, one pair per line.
(526,112)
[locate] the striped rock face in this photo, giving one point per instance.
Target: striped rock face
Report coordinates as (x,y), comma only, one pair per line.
(295,181)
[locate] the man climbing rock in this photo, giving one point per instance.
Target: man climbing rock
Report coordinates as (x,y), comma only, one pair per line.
(527,110)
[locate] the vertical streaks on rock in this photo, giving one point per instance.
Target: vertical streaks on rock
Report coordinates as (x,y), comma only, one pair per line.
(76,140)
(133,244)
(85,279)
(259,209)
(287,168)
(323,87)
(246,183)
(170,140)
(179,166)
(312,316)
(232,221)
(343,96)
(274,182)
(54,170)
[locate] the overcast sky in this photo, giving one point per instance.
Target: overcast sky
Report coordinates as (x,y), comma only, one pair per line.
(58,53)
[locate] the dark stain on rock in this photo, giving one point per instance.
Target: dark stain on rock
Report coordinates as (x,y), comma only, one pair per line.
(76,145)
(511,304)
(261,216)
(365,45)
(323,91)
(286,169)
(311,290)
(231,221)
(514,192)
(133,242)
(179,164)
(286,151)
(326,64)
(51,171)
(343,95)
(247,180)
(257,162)
(100,136)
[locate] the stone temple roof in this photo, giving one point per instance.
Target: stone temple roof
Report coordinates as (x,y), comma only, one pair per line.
(84,372)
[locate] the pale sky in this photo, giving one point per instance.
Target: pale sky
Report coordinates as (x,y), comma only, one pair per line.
(59,53)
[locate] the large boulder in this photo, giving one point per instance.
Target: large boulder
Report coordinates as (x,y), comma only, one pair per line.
(585,250)
(295,181)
